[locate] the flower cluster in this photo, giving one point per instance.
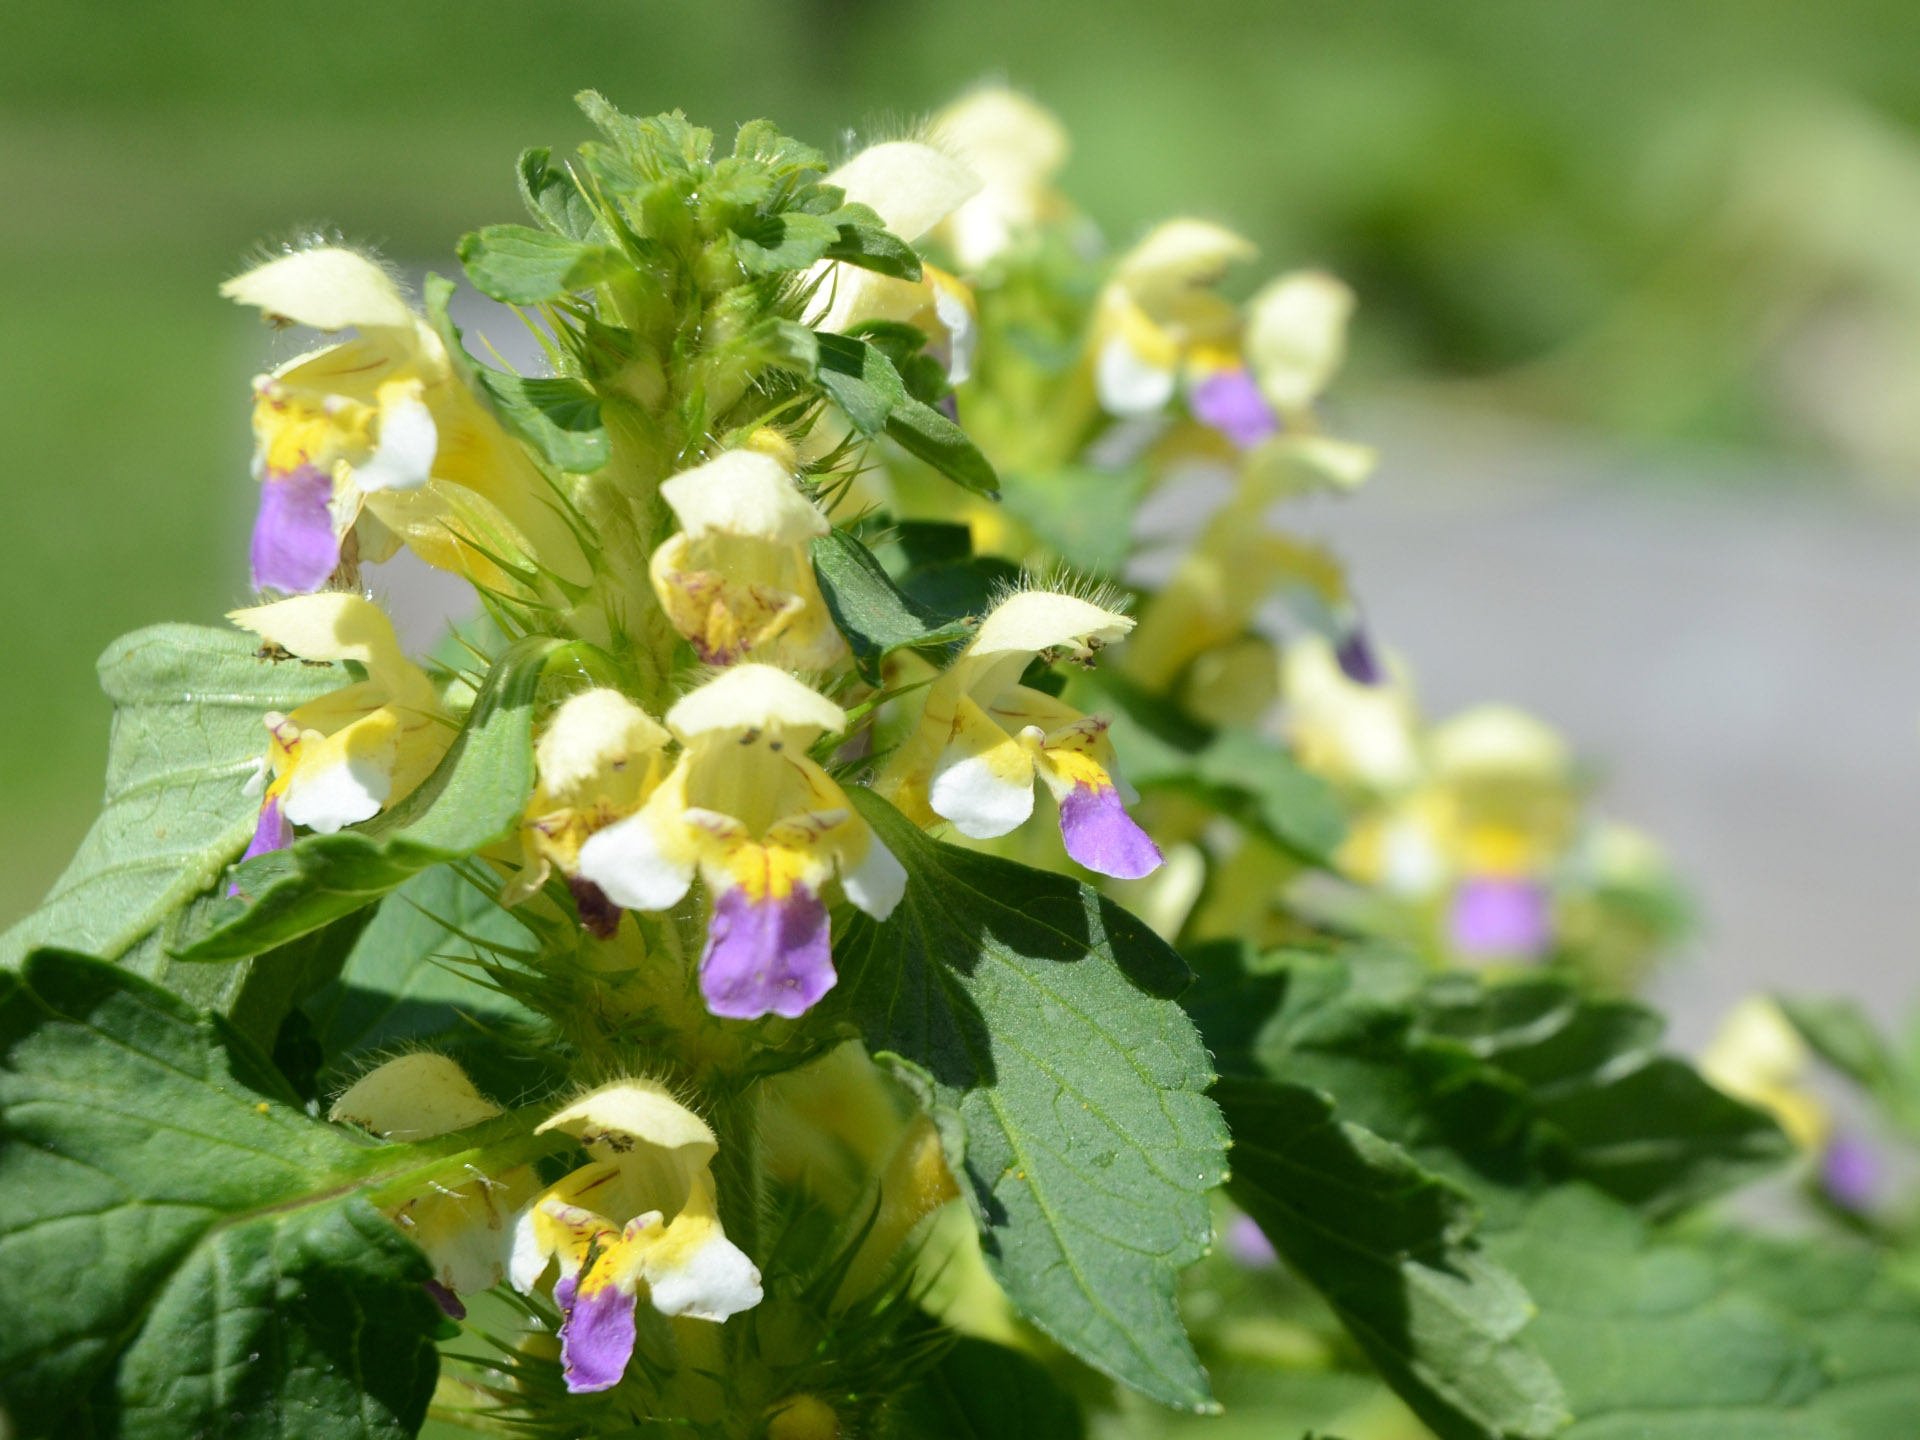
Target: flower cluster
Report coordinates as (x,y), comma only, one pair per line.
(751,612)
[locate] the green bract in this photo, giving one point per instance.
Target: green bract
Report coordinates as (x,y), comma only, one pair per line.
(824,950)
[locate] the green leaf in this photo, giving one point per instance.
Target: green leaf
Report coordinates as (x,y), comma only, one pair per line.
(1044,1016)
(1265,788)
(523,266)
(1388,1244)
(474,799)
(1084,515)
(184,1252)
(555,202)
(1235,771)
(1842,1035)
(983,1391)
(769,244)
(1581,1082)
(960,588)
(860,380)
(559,417)
(761,140)
(863,239)
(869,608)
(656,145)
(1524,1078)
(924,433)
(1659,1337)
(187,738)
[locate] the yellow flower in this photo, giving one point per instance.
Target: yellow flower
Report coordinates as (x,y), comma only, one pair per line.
(738,579)
(345,756)
(1758,1056)
(380,431)
(1016,148)
(765,827)
(643,1211)
(1296,339)
(912,187)
(983,738)
(1158,308)
(597,759)
(462,1229)
(1349,733)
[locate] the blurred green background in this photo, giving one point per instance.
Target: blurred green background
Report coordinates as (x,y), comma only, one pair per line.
(1692,222)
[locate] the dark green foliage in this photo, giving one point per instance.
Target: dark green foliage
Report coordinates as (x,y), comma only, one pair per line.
(183,1251)
(1043,1017)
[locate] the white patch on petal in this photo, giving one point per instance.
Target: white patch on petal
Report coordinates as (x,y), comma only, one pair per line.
(403,460)
(980,800)
(953,313)
(528,1261)
(627,862)
(876,884)
(330,797)
(1129,383)
(256,785)
(713,1281)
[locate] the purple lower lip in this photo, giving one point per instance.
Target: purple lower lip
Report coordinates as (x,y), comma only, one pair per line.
(766,957)
(294,548)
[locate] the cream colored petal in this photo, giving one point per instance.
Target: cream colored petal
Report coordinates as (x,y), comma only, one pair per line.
(331,627)
(1296,336)
(1179,255)
(592,734)
(641,1111)
(912,186)
(328,288)
(1036,620)
(754,697)
(743,492)
(1499,740)
(415,1097)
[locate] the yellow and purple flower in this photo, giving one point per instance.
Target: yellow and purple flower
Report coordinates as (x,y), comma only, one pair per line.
(597,760)
(765,827)
(1160,308)
(984,738)
(378,437)
(641,1213)
(343,757)
(738,581)
(462,1229)
(912,187)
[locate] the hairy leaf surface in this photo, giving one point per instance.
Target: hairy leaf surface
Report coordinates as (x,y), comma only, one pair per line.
(874,615)
(1044,1016)
(185,1252)
(187,737)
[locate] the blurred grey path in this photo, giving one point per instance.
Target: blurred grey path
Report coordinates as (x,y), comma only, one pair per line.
(1737,651)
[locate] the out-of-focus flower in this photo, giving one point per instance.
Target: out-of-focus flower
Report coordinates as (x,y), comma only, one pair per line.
(983,738)
(380,426)
(1758,1056)
(643,1211)
(342,758)
(1016,148)
(1159,308)
(462,1229)
(1851,1172)
(912,187)
(1247,1245)
(1363,735)
(738,580)
(765,827)
(597,759)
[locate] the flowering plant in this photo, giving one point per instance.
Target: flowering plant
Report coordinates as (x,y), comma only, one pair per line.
(795,964)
